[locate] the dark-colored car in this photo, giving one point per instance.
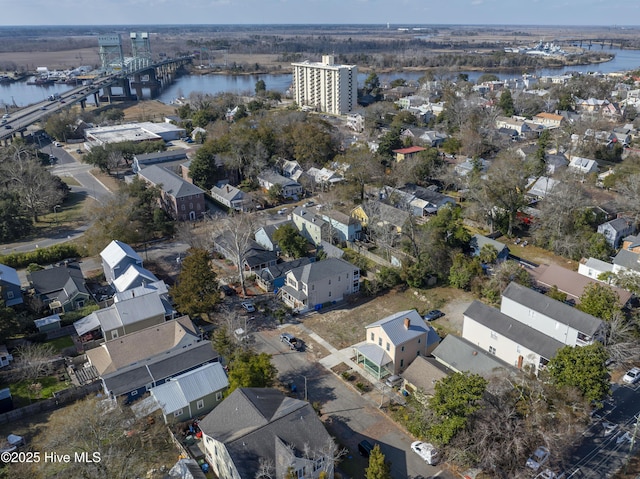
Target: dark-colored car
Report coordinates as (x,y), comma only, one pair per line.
(293,342)
(365,448)
(434,314)
(227,290)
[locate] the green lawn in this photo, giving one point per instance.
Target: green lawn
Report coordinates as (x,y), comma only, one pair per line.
(23,396)
(61,343)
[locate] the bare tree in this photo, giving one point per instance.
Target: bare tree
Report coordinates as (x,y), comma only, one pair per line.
(620,339)
(266,469)
(33,361)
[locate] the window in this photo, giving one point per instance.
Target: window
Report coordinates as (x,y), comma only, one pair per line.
(492,350)
(133,393)
(402,363)
(114,334)
(313,287)
(80,303)
(419,340)
(417,353)
(379,341)
(9,294)
(494,335)
(183,207)
(402,348)
(388,346)
(219,396)
(190,206)
(338,279)
(178,413)
(373,337)
(329,293)
(200,404)
(329,281)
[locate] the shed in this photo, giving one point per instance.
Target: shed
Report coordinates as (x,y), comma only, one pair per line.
(50,323)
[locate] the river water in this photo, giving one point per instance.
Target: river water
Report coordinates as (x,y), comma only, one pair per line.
(22,94)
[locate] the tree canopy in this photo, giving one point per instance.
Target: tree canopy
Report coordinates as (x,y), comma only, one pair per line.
(290,241)
(582,368)
(196,290)
(600,300)
(378,467)
(248,369)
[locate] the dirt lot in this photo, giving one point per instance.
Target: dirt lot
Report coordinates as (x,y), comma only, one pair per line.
(344,325)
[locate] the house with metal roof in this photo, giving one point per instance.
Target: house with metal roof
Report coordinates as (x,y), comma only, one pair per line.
(49,323)
(230,197)
(116,258)
(10,287)
(310,225)
(407,153)
(342,227)
(191,394)
(124,317)
(257,426)
(180,199)
(131,382)
(478,241)
(593,268)
(392,343)
(133,277)
(583,165)
(59,288)
(264,235)
(320,284)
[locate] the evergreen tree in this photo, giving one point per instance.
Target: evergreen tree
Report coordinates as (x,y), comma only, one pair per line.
(378,467)
(196,291)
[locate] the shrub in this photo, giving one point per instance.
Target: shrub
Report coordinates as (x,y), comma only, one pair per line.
(41,256)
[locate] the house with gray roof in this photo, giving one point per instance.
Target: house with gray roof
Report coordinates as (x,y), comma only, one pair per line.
(478,241)
(512,341)
(421,376)
(593,268)
(290,188)
(133,277)
(342,227)
(116,258)
(59,288)
(392,343)
(272,278)
(180,199)
(10,287)
(264,235)
(460,355)
(583,165)
(255,257)
(230,197)
(134,380)
(616,229)
(191,394)
(123,317)
(315,285)
(554,318)
(257,426)
(310,225)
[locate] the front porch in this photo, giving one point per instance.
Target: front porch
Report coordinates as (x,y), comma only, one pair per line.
(374,360)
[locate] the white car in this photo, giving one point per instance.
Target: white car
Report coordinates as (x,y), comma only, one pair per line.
(632,376)
(538,459)
(57,143)
(426,451)
(248,306)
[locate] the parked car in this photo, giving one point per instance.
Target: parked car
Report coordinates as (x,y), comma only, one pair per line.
(290,340)
(434,314)
(365,448)
(393,381)
(248,306)
(426,451)
(538,459)
(227,290)
(632,376)
(57,143)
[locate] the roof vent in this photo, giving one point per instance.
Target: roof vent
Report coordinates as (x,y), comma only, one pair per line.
(475,353)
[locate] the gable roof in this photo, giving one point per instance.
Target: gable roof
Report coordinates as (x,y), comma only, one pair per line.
(159,367)
(252,420)
(171,183)
(513,329)
(461,355)
(139,345)
(280,269)
(557,310)
(424,372)
(573,283)
(627,259)
(9,275)
(478,241)
(394,328)
(619,224)
(159,287)
(319,270)
(132,275)
(66,280)
(116,251)
(189,387)
(409,150)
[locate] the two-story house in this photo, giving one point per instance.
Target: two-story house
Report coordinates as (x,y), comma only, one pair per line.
(116,258)
(310,225)
(392,343)
(180,199)
(316,284)
(342,227)
(59,288)
(529,328)
(616,229)
(230,196)
(257,426)
(10,288)
(289,188)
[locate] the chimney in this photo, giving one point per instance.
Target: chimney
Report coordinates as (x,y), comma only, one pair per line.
(407,323)
(228,189)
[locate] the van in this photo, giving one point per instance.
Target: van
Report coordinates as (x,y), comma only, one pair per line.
(365,448)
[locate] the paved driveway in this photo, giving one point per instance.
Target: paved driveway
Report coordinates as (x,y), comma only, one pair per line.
(349,417)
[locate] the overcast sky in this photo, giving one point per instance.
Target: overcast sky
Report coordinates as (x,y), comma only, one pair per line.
(395,12)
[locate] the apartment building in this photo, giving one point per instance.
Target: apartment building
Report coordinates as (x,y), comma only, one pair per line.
(325,86)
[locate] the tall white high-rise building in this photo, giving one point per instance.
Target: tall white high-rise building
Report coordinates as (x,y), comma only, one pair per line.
(325,86)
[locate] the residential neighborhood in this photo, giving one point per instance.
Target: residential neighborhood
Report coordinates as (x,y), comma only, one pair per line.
(325,282)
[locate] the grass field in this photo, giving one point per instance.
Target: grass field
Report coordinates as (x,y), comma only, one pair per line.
(23,394)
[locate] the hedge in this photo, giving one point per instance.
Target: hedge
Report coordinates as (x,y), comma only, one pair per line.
(41,256)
